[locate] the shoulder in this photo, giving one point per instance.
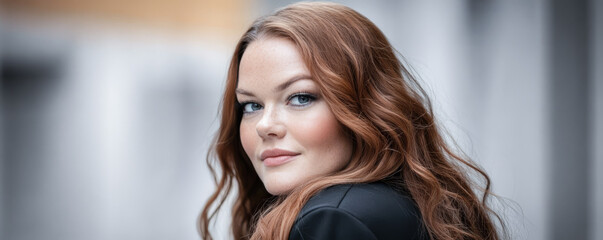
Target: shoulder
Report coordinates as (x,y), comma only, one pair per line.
(359,211)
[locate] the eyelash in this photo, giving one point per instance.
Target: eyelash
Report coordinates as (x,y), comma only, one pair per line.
(311,97)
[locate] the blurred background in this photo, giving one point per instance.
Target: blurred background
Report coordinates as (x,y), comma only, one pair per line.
(107,108)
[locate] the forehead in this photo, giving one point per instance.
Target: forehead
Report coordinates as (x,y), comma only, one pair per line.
(270,61)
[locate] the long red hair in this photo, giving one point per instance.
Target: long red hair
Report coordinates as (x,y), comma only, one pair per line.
(384,111)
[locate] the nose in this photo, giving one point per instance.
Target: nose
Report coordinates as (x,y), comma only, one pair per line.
(270,125)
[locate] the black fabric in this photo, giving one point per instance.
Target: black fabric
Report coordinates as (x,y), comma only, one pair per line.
(359,211)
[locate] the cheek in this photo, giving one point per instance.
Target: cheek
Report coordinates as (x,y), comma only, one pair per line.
(321,133)
(317,130)
(248,138)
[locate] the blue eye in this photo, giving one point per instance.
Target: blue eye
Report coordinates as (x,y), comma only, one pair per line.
(250,107)
(301,99)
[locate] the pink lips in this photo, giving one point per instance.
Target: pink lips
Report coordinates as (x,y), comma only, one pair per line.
(275,157)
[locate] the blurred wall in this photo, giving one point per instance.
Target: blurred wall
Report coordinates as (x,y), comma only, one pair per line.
(596,119)
(107,108)
(2,156)
(108,115)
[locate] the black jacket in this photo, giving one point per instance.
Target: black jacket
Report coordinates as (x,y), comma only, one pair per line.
(359,211)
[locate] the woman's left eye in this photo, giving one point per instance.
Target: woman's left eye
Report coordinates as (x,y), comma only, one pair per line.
(301,99)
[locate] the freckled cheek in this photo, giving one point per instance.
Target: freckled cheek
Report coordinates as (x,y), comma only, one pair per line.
(316,129)
(249,137)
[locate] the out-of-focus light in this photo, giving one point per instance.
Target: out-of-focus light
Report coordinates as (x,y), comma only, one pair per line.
(222,19)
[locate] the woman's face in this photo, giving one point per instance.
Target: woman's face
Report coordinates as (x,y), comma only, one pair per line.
(287,130)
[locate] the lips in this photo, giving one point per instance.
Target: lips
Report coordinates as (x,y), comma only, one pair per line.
(275,157)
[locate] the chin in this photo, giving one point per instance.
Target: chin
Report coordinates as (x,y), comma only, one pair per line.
(278,192)
(278,186)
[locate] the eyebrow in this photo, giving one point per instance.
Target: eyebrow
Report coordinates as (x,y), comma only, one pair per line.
(280,87)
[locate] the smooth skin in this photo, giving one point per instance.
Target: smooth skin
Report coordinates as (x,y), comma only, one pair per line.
(283,109)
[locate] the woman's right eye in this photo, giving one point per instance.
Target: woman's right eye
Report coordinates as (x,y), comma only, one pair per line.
(250,107)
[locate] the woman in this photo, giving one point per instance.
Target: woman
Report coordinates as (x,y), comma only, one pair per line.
(326,135)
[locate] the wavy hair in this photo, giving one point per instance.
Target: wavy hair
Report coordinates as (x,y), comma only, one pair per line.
(382,108)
